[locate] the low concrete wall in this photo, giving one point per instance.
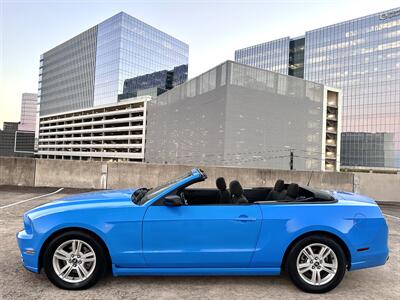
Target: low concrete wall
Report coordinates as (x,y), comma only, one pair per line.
(69,173)
(17,171)
(381,187)
(101,175)
(122,175)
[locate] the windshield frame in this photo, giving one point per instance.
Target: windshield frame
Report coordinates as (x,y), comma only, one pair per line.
(165,188)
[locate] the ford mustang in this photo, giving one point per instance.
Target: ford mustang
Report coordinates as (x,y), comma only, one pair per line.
(173,229)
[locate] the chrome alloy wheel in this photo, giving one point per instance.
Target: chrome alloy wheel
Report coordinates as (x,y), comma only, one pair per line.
(74,261)
(317,264)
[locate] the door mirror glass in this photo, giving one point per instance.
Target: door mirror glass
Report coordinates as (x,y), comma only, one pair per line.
(173,200)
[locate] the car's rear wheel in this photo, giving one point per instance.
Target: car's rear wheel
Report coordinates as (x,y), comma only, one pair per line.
(74,260)
(316,264)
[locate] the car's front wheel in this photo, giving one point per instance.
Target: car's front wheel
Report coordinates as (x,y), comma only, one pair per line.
(74,260)
(316,264)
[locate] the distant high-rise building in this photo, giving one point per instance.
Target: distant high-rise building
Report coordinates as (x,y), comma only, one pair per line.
(362,58)
(17,138)
(91,68)
(28,112)
(86,86)
(15,143)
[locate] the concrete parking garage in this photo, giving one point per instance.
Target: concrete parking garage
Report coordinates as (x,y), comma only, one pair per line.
(17,283)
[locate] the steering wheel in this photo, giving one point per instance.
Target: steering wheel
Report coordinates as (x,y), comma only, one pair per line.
(182,195)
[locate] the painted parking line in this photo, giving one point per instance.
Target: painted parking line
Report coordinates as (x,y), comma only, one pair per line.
(390,216)
(33,198)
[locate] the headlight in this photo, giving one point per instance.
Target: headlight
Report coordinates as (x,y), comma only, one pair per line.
(27,224)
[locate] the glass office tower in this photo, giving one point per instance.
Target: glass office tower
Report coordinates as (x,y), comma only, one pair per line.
(91,69)
(272,56)
(154,83)
(361,57)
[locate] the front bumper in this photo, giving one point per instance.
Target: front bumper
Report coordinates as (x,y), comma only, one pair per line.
(29,255)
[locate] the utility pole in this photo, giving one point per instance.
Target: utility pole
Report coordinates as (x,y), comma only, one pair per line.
(291,156)
(291,159)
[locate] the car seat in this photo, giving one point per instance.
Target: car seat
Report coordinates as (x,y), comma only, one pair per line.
(224,194)
(277,192)
(237,193)
(292,192)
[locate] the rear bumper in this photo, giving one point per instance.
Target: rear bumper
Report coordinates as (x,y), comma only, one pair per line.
(29,255)
(373,259)
(377,245)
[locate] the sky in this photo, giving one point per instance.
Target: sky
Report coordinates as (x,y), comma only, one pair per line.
(213,30)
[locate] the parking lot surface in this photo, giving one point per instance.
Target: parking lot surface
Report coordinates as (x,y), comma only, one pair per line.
(18,283)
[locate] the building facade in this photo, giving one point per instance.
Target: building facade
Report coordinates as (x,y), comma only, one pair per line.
(237,115)
(363,147)
(362,58)
(114,132)
(90,69)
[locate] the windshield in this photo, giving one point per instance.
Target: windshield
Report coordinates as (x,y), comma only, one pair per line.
(154,192)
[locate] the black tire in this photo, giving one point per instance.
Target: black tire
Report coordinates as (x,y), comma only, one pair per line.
(295,275)
(99,269)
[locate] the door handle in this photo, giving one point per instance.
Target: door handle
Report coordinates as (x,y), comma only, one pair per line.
(244,218)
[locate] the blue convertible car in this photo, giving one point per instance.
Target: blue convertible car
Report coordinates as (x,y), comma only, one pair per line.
(173,229)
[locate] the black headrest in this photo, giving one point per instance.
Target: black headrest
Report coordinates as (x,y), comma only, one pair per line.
(279,185)
(221,184)
(235,188)
(292,190)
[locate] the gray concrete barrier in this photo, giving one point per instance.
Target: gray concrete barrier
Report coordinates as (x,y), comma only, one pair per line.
(122,175)
(101,175)
(381,187)
(68,173)
(17,171)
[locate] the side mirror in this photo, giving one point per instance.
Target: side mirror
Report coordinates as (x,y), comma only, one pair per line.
(173,200)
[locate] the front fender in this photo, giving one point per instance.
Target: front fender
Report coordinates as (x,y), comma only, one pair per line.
(32,244)
(119,228)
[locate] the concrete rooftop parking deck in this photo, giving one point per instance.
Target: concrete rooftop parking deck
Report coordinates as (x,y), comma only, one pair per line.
(18,283)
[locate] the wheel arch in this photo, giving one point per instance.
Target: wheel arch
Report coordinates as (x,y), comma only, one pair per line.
(331,235)
(67,229)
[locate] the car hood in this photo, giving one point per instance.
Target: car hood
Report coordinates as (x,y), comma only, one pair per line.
(108,195)
(86,199)
(341,195)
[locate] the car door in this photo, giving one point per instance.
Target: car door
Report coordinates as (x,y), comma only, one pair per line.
(220,236)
